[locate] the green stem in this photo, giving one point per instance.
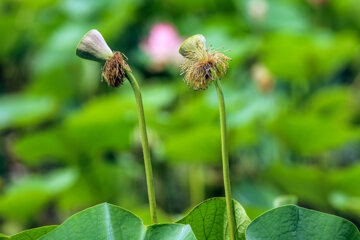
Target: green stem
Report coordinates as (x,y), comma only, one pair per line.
(225,160)
(145,145)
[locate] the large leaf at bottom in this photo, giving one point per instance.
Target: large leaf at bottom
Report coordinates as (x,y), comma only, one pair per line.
(106,221)
(292,222)
(209,221)
(31,234)
(3,237)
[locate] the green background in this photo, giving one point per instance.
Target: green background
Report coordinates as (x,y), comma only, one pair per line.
(68,141)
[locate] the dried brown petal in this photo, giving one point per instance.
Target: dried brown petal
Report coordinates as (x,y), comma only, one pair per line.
(201,66)
(114,70)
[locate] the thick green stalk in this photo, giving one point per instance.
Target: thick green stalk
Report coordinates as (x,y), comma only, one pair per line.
(145,145)
(225,160)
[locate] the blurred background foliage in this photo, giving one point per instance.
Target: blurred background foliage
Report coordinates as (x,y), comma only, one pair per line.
(68,141)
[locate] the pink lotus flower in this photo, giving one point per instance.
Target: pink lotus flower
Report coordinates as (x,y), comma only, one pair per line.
(162,46)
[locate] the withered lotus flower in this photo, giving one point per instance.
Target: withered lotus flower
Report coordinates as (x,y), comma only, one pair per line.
(93,47)
(201,65)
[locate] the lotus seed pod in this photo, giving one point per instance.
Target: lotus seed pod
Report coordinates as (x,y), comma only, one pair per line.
(93,47)
(193,47)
